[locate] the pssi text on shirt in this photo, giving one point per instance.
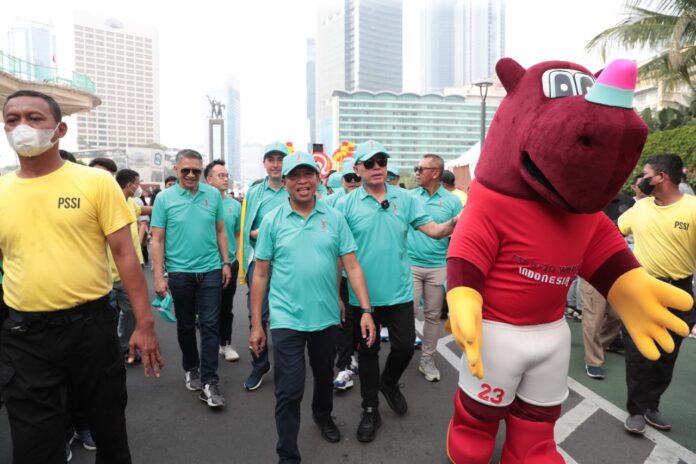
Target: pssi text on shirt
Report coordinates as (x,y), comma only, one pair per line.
(69,202)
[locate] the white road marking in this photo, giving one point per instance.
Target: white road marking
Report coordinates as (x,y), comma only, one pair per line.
(572,419)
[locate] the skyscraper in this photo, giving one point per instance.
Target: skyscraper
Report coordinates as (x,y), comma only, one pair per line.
(312,89)
(122,60)
(461,41)
(359,47)
(35,43)
(232,152)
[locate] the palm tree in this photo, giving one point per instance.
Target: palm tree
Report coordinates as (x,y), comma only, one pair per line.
(665,26)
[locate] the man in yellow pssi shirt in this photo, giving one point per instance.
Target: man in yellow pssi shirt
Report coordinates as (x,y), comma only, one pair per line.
(664,230)
(60,330)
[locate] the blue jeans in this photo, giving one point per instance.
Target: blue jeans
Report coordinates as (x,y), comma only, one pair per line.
(289,354)
(261,362)
(118,298)
(198,293)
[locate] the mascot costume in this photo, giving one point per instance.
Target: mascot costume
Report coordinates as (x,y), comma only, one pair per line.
(559,149)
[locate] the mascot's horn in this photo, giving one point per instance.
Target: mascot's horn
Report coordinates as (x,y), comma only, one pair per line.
(615,85)
(510,72)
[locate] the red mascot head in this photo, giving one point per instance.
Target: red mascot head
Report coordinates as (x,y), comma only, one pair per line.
(562,138)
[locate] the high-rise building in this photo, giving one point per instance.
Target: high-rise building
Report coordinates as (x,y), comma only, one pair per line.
(122,59)
(461,41)
(33,42)
(312,89)
(232,153)
(359,47)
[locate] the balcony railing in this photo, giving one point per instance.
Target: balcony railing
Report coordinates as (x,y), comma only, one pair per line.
(37,73)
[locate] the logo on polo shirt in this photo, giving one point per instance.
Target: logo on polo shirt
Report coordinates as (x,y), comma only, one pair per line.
(323,225)
(69,202)
(205,203)
(393,205)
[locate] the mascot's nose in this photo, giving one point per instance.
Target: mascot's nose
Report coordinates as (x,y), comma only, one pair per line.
(615,85)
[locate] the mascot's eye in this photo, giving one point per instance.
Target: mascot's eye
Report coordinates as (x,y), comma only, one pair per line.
(558,83)
(583,82)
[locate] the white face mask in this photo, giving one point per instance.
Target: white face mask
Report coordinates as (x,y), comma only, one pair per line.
(138,192)
(29,142)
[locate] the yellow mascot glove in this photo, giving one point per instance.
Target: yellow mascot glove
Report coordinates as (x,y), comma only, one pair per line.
(641,301)
(465,324)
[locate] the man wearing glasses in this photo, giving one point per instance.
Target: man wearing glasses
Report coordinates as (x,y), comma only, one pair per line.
(216,175)
(428,257)
(188,230)
(379,216)
(261,199)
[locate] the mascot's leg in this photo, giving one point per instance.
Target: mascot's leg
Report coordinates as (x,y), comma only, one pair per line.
(529,435)
(472,431)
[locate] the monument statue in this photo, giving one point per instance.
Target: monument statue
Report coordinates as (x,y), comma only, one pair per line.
(216,108)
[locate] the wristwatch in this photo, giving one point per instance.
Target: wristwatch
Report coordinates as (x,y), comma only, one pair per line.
(227,264)
(369,310)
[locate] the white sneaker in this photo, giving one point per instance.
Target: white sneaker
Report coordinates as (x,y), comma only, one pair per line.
(428,369)
(343,380)
(384,334)
(229,353)
(353,365)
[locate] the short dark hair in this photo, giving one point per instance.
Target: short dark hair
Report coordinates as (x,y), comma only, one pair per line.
(439,162)
(668,163)
(106,163)
(126,176)
(52,104)
(211,165)
(447,177)
(170,179)
(188,153)
(638,177)
(67,156)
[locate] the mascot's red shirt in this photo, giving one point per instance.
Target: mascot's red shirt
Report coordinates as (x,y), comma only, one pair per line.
(529,252)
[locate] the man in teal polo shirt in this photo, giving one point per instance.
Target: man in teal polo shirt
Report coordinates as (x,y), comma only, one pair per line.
(188,230)
(302,240)
(428,257)
(380,216)
(261,199)
(349,182)
(216,175)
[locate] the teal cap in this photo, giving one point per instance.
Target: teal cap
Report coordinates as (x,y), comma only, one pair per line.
(297,159)
(334,181)
(366,150)
(276,147)
(164,307)
(347,166)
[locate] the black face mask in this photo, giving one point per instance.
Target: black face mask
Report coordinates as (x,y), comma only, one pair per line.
(645,187)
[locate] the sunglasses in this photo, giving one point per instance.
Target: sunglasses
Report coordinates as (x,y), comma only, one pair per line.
(187,171)
(420,169)
(352,178)
(380,160)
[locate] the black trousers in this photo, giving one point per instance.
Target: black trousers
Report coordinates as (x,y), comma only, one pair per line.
(43,357)
(226,314)
(647,380)
(402,335)
(345,346)
(289,378)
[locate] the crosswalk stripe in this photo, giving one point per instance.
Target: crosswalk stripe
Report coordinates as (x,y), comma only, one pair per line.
(572,419)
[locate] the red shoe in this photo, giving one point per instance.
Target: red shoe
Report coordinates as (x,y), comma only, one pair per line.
(469,440)
(528,442)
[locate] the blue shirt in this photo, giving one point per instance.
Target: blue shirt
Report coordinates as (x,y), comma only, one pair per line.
(303,253)
(190,227)
(381,236)
(424,251)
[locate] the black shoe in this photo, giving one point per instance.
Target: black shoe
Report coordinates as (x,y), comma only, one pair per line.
(657,420)
(328,429)
(395,399)
(369,423)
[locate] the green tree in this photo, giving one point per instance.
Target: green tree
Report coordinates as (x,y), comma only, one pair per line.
(667,27)
(670,118)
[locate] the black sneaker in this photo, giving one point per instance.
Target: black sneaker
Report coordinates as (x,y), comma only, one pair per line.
(595,372)
(635,424)
(369,423)
(193,380)
(657,420)
(328,429)
(210,394)
(395,399)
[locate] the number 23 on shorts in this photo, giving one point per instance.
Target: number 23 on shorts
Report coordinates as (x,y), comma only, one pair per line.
(490,394)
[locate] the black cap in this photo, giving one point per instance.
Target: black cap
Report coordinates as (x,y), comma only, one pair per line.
(447,177)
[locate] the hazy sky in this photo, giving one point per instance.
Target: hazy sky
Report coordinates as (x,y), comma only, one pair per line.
(204,42)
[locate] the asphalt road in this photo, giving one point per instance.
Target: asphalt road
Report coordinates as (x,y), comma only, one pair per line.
(169,424)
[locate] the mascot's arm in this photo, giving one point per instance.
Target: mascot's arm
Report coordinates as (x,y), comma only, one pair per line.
(641,301)
(465,307)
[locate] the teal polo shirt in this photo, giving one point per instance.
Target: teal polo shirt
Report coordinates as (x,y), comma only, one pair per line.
(381,235)
(332,199)
(424,251)
(270,200)
(303,253)
(232,212)
(189,223)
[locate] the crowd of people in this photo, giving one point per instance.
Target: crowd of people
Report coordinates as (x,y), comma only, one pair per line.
(369,254)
